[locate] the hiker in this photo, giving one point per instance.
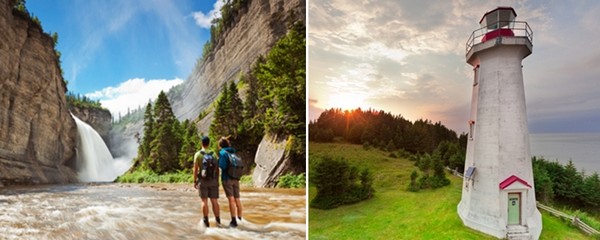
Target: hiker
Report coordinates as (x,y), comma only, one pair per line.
(207,180)
(231,184)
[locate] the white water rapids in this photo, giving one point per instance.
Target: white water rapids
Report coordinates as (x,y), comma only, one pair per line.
(144,211)
(139,211)
(95,163)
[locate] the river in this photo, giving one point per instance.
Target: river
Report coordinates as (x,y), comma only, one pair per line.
(144,211)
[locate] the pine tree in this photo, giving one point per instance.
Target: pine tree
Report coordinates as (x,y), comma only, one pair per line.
(144,148)
(237,109)
(166,143)
(190,144)
(220,122)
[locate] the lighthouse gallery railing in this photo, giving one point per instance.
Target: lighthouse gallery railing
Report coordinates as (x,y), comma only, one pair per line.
(517,28)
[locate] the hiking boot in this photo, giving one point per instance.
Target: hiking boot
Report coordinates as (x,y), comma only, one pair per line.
(205,222)
(233,223)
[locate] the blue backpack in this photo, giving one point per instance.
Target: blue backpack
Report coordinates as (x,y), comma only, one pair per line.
(235,166)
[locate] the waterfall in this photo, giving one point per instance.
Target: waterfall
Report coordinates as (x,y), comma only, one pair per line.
(94,161)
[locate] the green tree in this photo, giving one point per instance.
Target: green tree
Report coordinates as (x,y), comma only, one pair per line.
(439,175)
(220,124)
(413,186)
(543,184)
(237,109)
(144,147)
(167,141)
(283,77)
(572,184)
(338,182)
(591,191)
(190,144)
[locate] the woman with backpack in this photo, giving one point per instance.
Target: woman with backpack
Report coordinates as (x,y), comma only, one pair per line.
(206,180)
(231,167)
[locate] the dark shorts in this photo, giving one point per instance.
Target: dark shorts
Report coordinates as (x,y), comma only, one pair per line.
(208,190)
(232,188)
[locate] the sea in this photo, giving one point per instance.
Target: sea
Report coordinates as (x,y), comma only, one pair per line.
(582,148)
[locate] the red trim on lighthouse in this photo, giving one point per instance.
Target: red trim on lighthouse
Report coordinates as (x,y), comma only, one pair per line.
(512,179)
(501,32)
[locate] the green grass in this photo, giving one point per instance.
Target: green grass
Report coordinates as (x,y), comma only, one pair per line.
(394,212)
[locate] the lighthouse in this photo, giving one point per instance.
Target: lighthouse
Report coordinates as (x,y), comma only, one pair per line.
(498,195)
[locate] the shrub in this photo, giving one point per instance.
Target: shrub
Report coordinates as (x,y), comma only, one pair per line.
(147,176)
(413,186)
(292,181)
(339,183)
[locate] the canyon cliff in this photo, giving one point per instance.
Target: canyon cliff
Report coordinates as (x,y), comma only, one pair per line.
(256,30)
(99,119)
(37,133)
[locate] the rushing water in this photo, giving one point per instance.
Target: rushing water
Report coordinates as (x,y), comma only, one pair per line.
(151,211)
(582,148)
(95,163)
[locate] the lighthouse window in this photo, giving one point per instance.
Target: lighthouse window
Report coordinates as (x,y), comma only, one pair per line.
(471,126)
(476,75)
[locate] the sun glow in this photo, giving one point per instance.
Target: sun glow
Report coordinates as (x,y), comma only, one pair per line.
(346,101)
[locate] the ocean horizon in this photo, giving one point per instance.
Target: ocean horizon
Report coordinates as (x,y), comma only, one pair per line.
(582,148)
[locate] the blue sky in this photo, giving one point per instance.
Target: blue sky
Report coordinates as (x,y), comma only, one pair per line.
(408,57)
(125,52)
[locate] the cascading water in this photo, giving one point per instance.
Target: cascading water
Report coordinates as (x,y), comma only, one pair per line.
(94,161)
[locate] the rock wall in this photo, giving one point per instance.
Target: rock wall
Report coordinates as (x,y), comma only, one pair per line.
(37,133)
(99,119)
(256,31)
(271,161)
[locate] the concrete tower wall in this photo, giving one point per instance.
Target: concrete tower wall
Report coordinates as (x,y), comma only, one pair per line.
(499,145)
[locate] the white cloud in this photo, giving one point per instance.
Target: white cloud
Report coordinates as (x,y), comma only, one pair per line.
(204,20)
(132,93)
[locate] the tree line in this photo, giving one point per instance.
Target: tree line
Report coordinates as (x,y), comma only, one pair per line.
(82,101)
(167,144)
(379,129)
(564,185)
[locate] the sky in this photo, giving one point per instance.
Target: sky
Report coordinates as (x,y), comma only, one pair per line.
(124,53)
(408,58)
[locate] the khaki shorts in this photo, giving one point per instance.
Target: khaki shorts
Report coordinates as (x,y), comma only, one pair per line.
(232,188)
(208,190)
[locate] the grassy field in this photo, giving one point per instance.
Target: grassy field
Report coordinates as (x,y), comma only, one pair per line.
(395,213)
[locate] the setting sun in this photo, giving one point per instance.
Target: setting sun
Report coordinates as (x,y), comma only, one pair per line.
(346,101)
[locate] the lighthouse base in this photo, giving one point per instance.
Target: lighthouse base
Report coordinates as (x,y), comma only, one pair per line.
(498,228)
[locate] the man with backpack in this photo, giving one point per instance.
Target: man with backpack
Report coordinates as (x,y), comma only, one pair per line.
(206,173)
(231,172)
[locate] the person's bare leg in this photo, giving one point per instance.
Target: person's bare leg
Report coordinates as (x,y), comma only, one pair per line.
(205,210)
(216,209)
(238,205)
(232,207)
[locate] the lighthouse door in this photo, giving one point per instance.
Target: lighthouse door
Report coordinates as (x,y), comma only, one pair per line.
(514,208)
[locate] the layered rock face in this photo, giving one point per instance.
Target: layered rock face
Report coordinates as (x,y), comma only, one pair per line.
(257,29)
(37,133)
(271,161)
(99,119)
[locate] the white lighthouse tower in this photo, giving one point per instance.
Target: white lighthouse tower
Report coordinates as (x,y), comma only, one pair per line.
(498,195)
